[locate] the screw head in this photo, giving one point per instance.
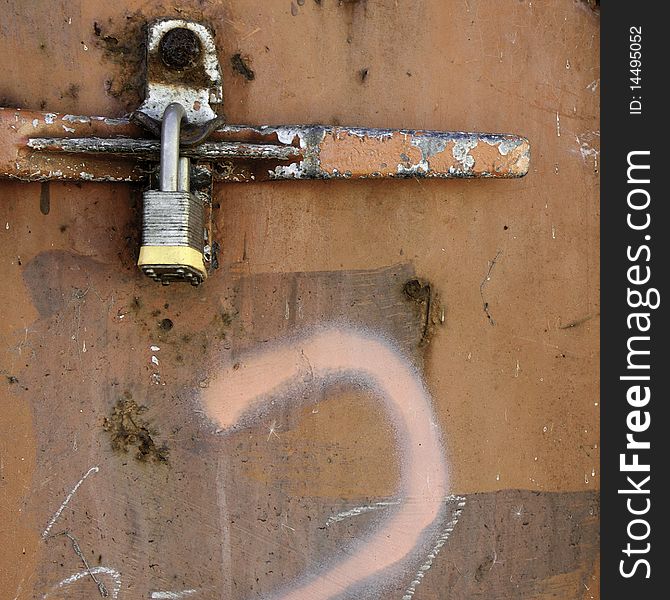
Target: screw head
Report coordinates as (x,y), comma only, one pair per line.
(180,49)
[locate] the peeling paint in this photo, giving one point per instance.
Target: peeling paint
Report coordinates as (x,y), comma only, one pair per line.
(287,152)
(76,119)
(461,152)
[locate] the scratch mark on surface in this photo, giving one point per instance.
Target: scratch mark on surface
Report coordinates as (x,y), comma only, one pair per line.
(100,570)
(77,550)
(273,431)
(486,279)
(441,541)
(173,595)
(58,513)
(578,322)
(558,125)
(359,510)
(587,150)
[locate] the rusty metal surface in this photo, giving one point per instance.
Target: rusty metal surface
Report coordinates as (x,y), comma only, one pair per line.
(140,428)
(182,69)
(33,143)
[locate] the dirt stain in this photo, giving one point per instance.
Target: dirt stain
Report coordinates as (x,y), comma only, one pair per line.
(432,310)
(130,431)
(126,47)
(241,66)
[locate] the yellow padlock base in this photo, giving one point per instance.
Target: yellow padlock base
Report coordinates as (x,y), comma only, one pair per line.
(171,257)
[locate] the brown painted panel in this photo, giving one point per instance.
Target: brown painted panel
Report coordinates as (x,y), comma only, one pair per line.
(388,389)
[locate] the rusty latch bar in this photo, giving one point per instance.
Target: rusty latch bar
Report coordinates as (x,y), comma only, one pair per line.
(184,78)
(40,146)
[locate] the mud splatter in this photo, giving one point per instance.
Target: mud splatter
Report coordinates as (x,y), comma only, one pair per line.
(432,310)
(241,66)
(129,431)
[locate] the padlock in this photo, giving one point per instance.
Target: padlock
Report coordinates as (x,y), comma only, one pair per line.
(172,217)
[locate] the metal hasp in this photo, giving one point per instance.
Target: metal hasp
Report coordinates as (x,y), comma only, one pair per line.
(182,67)
(183,71)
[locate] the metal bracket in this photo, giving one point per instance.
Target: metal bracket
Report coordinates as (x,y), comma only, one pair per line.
(182,67)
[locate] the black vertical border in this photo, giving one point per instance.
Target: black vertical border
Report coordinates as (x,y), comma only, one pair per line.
(622,133)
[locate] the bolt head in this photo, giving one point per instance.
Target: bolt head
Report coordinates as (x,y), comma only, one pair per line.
(180,49)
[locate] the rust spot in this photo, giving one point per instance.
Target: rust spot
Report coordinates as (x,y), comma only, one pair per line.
(45,198)
(72,91)
(128,430)
(180,49)
(166,324)
(432,311)
(240,66)
(126,48)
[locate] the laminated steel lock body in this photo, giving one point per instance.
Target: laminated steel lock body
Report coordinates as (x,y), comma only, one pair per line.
(172,217)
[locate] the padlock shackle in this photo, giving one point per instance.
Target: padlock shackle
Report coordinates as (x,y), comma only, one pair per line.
(170,132)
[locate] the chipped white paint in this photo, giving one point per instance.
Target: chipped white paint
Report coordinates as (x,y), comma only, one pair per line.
(69,129)
(173,595)
(35,122)
(77,119)
(442,540)
(461,152)
(359,510)
(61,508)
(377,134)
(593,86)
(506,146)
(154,348)
(286,135)
(586,150)
(112,121)
(50,118)
(154,360)
(420,168)
(99,570)
(292,171)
